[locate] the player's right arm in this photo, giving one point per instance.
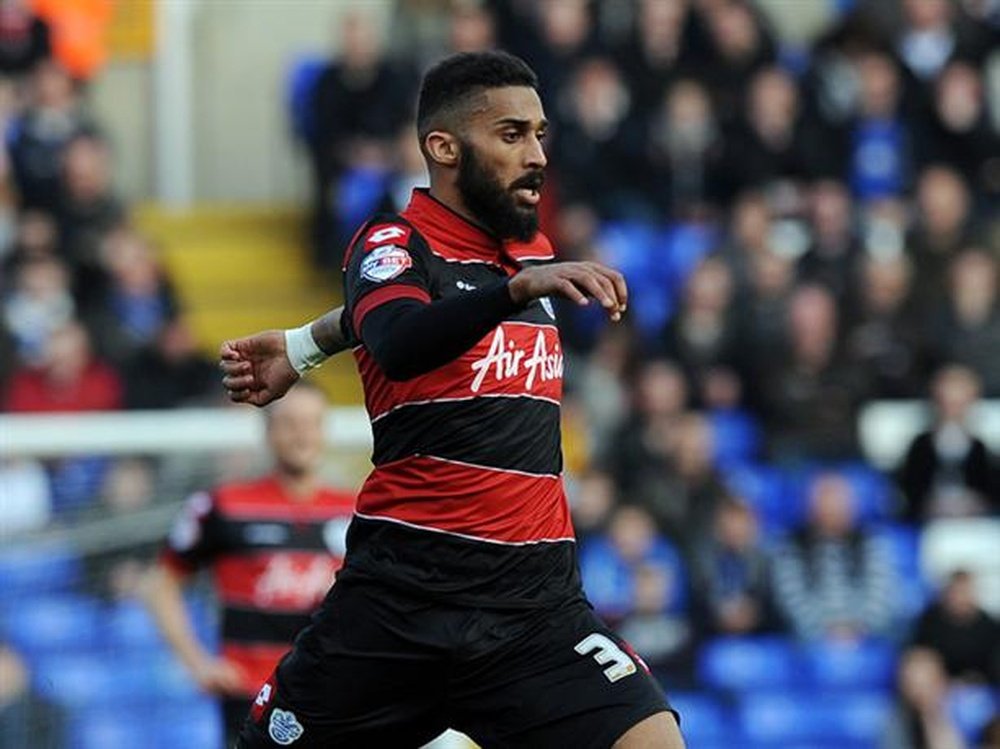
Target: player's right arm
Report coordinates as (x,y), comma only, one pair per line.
(191,543)
(162,594)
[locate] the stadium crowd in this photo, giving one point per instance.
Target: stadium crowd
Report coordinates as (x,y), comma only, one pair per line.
(805,228)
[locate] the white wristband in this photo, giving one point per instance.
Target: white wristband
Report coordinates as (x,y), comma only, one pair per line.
(301,348)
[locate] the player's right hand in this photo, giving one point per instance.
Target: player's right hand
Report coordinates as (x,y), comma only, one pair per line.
(256,369)
(577,281)
(219,676)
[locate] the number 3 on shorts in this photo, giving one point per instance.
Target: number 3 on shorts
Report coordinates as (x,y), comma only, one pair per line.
(622,664)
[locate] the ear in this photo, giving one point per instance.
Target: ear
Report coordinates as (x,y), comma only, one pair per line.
(442,148)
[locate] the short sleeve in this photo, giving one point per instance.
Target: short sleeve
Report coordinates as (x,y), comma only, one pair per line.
(385,262)
(194,538)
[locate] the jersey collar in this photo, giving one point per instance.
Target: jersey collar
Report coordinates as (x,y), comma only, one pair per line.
(457,238)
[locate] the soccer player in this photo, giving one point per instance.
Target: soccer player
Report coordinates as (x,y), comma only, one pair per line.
(273,545)
(460,602)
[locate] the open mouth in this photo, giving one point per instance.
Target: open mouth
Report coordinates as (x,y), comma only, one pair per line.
(529,195)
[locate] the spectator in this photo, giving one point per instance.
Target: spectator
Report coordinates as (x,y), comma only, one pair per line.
(37,140)
(967,330)
(600,385)
(471,27)
(933,33)
(943,226)
(739,46)
(687,175)
(683,492)
(832,258)
(595,142)
(960,133)
(69,378)
(137,300)
(732,573)
(26,720)
(170,372)
(748,238)
(881,150)
(39,303)
(811,397)
(885,340)
(655,628)
(772,143)
(361,101)
(562,36)
(658,51)
(643,443)
(24,38)
(947,470)
(921,719)
(610,564)
(89,209)
(592,500)
(764,321)
(832,578)
(966,637)
(703,336)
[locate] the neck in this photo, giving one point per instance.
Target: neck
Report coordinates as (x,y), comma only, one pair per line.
(450,196)
(299,486)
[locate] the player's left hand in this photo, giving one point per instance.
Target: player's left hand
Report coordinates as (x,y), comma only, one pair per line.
(256,369)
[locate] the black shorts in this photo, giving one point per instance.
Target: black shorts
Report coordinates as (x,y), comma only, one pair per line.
(379,668)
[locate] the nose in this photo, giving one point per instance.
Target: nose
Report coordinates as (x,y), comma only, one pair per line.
(535,156)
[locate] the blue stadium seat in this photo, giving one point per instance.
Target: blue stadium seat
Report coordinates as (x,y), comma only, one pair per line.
(848,665)
(192,724)
(748,663)
(735,437)
(704,716)
(766,489)
(902,542)
(77,680)
(972,707)
(129,627)
(789,718)
(632,248)
(40,569)
(74,680)
(54,623)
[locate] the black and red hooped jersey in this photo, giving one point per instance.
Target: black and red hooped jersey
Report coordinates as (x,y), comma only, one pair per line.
(466,497)
(272,557)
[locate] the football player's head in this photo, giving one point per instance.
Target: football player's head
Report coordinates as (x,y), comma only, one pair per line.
(295,429)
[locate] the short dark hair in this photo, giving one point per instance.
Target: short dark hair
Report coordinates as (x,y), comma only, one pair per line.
(448,85)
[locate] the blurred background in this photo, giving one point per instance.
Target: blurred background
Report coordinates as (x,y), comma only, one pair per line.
(783,468)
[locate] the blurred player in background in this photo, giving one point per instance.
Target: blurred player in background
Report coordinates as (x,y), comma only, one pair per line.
(273,545)
(460,602)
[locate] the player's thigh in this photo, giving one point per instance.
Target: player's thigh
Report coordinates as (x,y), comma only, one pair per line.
(659,731)
(560,678)
(354,678)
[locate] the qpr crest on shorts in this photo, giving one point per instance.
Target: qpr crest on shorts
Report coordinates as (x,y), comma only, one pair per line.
(284,727)
(385,263)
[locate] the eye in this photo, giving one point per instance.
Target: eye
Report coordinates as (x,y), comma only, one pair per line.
(542,135)
(511,136)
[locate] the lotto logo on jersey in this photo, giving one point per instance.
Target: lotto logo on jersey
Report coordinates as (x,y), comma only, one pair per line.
(262,700)
(387,234)
(385,263)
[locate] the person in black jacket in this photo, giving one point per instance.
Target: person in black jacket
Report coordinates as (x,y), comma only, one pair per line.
(947,469)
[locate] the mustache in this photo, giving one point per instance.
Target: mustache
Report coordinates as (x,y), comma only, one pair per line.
(531,181)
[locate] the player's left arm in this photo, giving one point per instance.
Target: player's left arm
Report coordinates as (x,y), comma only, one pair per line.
(260,368)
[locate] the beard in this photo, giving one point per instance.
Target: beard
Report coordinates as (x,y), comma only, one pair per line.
(492,203)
